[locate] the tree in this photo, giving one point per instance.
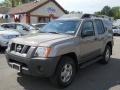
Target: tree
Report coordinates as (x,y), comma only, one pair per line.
(106,11)
(98,13)
(76,12)
(112,12)
(67,12)
(13,3)
(116,12)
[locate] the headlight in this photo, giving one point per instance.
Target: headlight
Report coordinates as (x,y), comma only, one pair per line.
(42,52)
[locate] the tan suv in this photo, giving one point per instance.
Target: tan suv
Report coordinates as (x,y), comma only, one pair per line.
(61,47)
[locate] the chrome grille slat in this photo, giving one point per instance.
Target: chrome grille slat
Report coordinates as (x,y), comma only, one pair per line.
(15,47)
(24,48)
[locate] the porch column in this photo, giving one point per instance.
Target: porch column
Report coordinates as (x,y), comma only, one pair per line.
(28,18)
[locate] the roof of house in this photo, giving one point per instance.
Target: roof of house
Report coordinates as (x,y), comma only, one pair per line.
(4,10)
(28,7)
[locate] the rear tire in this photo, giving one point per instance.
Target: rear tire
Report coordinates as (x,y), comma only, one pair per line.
(106,55)
(65,72)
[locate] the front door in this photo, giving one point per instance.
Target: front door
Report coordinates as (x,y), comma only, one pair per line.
(88,42)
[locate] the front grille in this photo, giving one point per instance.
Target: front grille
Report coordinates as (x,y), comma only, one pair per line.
(12,48)
(23,49)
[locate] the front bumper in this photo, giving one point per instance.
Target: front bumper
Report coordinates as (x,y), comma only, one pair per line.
(43,67)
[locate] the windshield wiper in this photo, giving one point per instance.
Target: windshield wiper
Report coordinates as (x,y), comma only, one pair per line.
(53,32)
(41,32)
(49,32)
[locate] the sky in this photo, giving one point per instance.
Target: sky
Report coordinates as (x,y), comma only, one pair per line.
(86,6)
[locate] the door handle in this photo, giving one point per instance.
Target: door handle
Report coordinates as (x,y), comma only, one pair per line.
(101,38)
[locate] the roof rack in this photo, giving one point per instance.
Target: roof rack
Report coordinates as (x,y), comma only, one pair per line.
(84,16)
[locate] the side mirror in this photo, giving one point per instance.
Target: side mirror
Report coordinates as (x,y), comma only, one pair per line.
(87,33)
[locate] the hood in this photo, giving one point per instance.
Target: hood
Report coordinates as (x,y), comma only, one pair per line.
(9,32)
(36,39)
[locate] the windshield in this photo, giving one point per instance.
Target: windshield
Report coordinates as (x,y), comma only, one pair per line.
(30,27)
(61,26)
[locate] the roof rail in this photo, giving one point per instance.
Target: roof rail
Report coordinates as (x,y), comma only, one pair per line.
(83,16)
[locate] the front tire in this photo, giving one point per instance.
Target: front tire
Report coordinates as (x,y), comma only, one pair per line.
(65,72)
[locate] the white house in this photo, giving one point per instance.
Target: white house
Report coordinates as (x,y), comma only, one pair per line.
(37,11)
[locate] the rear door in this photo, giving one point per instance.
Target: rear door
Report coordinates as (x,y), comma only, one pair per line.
(101,33)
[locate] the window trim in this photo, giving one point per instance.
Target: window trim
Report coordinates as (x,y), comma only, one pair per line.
(83,25)
(102,25)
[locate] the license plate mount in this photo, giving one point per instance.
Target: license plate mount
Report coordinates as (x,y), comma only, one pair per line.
(16,66)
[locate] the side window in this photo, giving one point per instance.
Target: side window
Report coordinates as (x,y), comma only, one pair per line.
(5,26)
(19,27)
(12,26)
(100,27)
(88,29)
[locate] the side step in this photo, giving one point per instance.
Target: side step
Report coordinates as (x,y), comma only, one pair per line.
(83,65)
